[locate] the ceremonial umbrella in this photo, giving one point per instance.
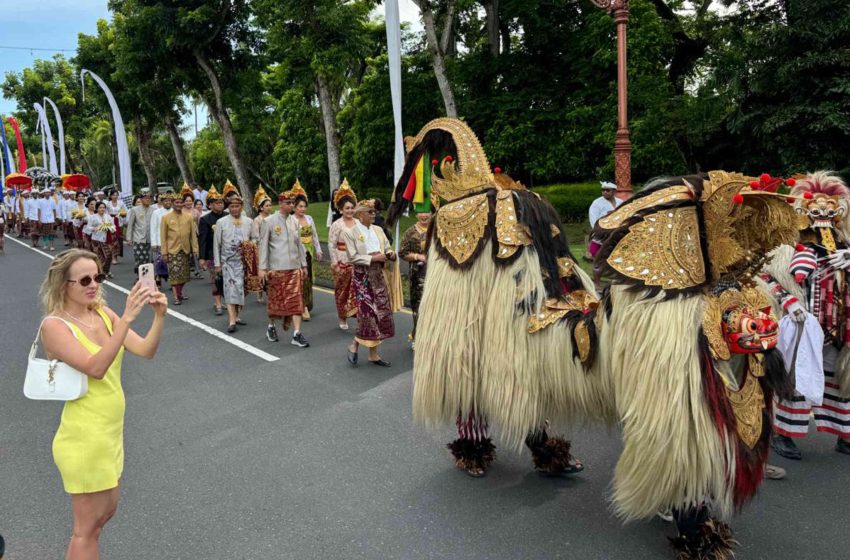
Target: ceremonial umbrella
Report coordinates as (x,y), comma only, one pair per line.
(76,182)
(19,180)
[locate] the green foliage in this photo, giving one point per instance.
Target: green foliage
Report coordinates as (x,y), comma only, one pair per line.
(572,201)
(208,158)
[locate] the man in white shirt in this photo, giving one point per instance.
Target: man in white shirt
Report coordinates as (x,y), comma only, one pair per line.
(200,194)
(600,207)
(165,200)
(67,204)
(47,212)
(31,203)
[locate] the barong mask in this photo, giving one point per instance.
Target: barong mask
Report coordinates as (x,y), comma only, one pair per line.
(749,331)
(823,211)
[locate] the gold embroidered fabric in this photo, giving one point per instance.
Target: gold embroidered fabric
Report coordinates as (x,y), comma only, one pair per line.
(662,250)
(566,267)
(509,232)
(737,233)
(461,225)
(581,338)
(747,405)
(715,306)
(664,196)
(555,309)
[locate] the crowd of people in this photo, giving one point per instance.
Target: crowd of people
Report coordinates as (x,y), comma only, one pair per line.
(203,234)
(705,263)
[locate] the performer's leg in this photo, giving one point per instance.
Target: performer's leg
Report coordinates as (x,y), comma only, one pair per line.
(790,420)
(834,415)
(473,450)
(551,455)
(701,537)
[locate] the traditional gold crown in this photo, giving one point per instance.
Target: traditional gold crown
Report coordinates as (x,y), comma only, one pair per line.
(469,174)
(259,196)
(297,190)
(229,188)
(343,191)
(212,195)
(186,191)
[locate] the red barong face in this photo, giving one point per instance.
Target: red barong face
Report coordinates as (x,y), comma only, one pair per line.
(749,331)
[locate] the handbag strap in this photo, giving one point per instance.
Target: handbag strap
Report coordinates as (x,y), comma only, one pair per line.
(34,348)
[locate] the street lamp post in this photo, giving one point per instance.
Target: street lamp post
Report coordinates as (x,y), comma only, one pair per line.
(619,10)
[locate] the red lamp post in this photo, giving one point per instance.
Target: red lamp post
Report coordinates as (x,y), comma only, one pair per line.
(619,10)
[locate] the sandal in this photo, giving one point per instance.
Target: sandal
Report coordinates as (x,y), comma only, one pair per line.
(475,472)
(177,301)
(352,357)
(575,466)
(380,362)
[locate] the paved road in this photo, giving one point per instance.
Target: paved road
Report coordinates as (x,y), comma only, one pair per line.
(231,456)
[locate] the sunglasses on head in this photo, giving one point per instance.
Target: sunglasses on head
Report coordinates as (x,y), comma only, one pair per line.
(85,281)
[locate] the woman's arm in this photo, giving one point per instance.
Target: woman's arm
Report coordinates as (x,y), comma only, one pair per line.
(146,347)
(61,344)
(333,237)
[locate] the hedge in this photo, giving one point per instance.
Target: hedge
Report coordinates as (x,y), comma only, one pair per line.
(571,200)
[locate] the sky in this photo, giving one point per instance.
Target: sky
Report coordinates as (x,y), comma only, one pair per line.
(51,25)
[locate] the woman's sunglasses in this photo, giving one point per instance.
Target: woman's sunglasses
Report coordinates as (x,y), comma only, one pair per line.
(86,280)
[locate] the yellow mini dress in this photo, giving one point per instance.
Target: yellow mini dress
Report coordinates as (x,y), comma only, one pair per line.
(89,445)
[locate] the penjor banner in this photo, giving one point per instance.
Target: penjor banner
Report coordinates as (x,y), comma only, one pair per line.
(61,131)
(22,156)
(394,54)
(47,149)
(124,169)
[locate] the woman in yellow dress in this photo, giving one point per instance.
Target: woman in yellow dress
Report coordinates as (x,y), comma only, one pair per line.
(83,332)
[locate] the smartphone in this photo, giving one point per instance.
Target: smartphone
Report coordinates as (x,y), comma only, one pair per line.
(146,277)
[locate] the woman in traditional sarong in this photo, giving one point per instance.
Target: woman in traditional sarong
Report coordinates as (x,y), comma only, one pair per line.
(368,249)
(118,211)
(345,201)
(263,206)
(102,229)
(412,250)
(310,240)
(86,230)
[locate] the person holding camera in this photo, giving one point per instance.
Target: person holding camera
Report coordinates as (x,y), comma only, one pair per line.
(81,331)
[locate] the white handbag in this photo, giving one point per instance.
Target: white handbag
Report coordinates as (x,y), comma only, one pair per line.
(52,380)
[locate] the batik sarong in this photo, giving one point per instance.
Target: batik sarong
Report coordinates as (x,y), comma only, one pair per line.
(141,255)
(178,268)
(307,284)
(374,309)
(344,292)
(251,265)
(233,274)
(118,240)
(103,250)
(284,299)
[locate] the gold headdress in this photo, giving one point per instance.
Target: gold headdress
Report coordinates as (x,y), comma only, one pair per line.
(344,191)
(364,205)
(260,196)
(228,189)
(213,195)
(187,191)
(298,191)
(469,174)
(656,237)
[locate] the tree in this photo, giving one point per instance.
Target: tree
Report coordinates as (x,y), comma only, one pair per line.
(319,45)
(439,45)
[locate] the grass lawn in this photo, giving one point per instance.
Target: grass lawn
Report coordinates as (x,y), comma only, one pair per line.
(319,211)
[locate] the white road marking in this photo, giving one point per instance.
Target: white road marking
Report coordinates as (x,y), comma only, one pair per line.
(179,316)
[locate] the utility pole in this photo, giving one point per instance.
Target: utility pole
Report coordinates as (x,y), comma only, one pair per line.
(619,10)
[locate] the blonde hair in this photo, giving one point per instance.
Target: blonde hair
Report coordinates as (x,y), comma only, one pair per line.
(52,290)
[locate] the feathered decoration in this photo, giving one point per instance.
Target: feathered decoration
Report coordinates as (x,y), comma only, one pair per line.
(821,182)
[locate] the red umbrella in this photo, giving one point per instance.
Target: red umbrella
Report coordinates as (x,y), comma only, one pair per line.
(19,180)
(76,181)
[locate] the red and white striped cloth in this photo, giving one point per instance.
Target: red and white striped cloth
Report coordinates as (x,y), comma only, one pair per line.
(473,427)
(791,417)
(804,262)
